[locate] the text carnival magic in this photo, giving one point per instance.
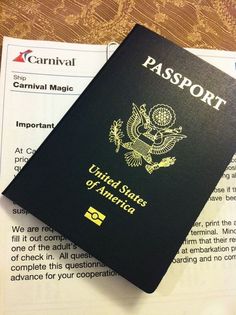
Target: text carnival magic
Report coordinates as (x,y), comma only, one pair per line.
(27,57)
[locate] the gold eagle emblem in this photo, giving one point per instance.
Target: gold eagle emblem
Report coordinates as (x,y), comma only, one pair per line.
(150,134)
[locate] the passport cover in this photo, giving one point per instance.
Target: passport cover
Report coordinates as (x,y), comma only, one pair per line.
(126,172)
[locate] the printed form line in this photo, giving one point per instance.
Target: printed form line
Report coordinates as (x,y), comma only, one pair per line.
(103,50)
(55,75)
(77,94)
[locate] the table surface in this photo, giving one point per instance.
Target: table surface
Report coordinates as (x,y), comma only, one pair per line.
(194,23)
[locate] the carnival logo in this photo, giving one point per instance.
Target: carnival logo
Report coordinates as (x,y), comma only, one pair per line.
(22,56)
(26,56)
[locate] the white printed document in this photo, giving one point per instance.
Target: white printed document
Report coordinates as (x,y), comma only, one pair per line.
(41,272)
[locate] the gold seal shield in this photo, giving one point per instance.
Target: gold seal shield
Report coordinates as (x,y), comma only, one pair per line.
(150,134)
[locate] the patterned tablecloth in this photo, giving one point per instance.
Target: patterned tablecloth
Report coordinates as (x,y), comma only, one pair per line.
(193,23)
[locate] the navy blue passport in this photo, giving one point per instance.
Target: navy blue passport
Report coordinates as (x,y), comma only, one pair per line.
(126,172)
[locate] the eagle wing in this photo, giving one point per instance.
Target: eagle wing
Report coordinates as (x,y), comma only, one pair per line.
(167,144)
(133,123)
